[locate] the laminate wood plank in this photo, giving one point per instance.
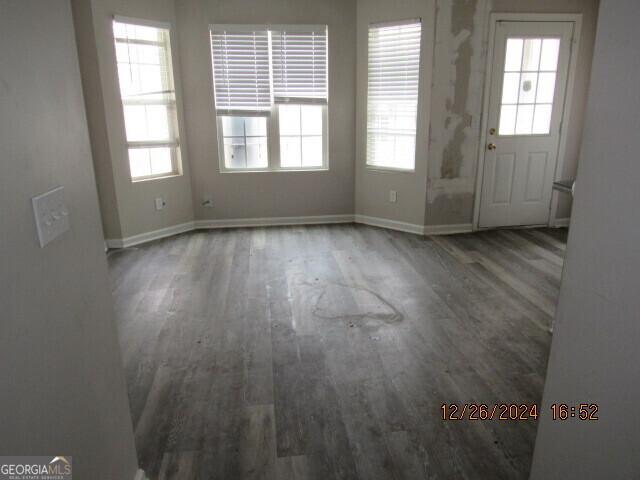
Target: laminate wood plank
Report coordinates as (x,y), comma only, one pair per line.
(326,351)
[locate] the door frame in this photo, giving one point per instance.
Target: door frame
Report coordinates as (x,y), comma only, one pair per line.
(494,18)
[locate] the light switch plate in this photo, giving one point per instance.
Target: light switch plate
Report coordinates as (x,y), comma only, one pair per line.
(51,214)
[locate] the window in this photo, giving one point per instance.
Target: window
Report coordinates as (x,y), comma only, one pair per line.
(145,74)
(300,135)
(528,86)
(270,82)
(245,142)
(392,95)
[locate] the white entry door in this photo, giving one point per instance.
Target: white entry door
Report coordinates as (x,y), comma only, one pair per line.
(526,99)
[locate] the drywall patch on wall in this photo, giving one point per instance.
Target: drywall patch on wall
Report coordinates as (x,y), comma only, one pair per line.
(461,29)
(451,201)
(457,100)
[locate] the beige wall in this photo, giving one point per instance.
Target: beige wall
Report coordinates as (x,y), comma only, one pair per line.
(594,355)
(128,206)
(268,194)
(372,185)
(441,191)
(63,390)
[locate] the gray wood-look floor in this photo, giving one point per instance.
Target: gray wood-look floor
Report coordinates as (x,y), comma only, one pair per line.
(325,352)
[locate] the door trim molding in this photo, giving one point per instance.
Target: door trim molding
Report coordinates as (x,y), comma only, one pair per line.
(494,18)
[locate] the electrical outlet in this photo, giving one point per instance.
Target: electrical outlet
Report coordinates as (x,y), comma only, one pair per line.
(207,201)
(393,196)
(160,203)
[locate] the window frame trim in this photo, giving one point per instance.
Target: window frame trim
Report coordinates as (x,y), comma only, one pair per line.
(385,168)
(173,144)
(273,125)
(273,146)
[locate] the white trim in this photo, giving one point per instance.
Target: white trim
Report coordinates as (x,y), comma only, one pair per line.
(448,229)
(561,222)
(272,221)
(566,113)
(142,21)
(274,159)
(285,221)
(396,23)
(149,236)
(391,224)
(576,18)
(140,475)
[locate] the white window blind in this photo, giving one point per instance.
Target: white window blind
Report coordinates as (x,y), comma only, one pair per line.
(299,62)
(240,57)
(392,96)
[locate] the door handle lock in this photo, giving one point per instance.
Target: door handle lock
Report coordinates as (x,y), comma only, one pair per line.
(491,146)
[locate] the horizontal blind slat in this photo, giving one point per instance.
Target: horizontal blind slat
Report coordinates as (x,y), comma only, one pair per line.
(299,64)
(241,69)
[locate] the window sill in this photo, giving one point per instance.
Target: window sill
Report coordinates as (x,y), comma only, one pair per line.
(276,170)
(159,177)
(389,169)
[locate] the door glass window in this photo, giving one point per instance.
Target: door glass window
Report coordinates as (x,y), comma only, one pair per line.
(528,86)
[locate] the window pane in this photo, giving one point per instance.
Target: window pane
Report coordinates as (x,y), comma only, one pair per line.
(531,56)
(534,86)
(238,130)
(549,58)
(256,126)
(528,87)
(234,152)
(158,122)
(525,120)
(404,150)
(546,87)
(510,87)
(311,116)
(139,162)
(146,122)
(380,147)
(148,99)
(134,121)
(312,151)
(257,156)
(542,119)
(142,32)
(160,160)
(507,120)
(513,57)
(290,152)
(233,126)
(392,94)
(289,119)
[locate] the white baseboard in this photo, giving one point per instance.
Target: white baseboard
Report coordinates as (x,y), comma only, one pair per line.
(391,224)
(282,221)
(140,475)
(561,222)
(273,221)
(448,229)
(148,236)
(235,222)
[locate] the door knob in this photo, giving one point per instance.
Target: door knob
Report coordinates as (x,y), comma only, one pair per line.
(491,146)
